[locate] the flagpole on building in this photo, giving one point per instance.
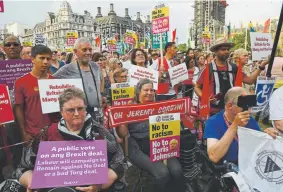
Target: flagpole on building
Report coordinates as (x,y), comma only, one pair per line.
(246,38)
(276,39)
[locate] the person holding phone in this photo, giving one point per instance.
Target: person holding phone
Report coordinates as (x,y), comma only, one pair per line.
(221,129)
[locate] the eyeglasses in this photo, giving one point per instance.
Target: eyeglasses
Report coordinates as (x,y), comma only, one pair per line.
(71,111)
(10,44)
(139,55)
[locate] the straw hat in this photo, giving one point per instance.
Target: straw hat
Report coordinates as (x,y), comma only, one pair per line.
(221,43)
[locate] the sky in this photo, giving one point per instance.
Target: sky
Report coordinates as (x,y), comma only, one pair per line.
(181,11)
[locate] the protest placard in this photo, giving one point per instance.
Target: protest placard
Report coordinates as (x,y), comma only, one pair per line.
(1,6)
(11,70)
(6,110)
(70,163)
(261,45)
(160,20)
(178,74)
(122,93)
(140,112)
(39,39)
(51,89)
(264,88)
(155,40)
(137,73)
(164,134)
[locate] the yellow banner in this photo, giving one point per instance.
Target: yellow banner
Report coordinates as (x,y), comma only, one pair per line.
(69,49)
(111,42)
(160,12)
(123,93)
(164,129)
(72,35)
(27,44)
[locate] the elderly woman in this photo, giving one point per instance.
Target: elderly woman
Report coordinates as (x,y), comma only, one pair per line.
(139,57)
(167,178)
(121,75)
(241,56)
(75,124)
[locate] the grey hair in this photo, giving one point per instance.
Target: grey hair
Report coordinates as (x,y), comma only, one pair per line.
(81,40)
(232,95)
(139,86)
(71,93)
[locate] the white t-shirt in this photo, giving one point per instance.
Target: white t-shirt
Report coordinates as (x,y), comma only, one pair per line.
(276,106)
(155,67)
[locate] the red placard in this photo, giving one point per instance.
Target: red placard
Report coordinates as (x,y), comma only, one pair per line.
(160,25)
(1,6)
(6,111)
(141,112)
(129,40)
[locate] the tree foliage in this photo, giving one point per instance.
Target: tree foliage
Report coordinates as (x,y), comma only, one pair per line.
(239,41)
(182,47)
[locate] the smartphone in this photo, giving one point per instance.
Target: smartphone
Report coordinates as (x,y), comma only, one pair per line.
(247,101)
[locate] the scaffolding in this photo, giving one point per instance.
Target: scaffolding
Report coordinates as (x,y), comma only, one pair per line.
(210,13)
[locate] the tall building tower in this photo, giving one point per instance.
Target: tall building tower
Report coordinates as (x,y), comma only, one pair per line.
(211,14)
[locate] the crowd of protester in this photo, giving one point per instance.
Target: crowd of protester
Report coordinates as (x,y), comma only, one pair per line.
(81,112)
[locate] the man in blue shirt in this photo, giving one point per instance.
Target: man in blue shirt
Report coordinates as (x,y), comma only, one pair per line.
(221,129)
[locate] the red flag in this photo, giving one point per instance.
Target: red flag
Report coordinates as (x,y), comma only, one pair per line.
(204,100)
(174,35)
(266,26)
(97,41)
(239,76)
(1,6)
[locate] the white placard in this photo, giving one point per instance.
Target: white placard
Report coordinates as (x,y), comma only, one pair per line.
(164,117)
(264,88)
(178,74)
(51,89)
(39,39)
(261,45)
(137,73)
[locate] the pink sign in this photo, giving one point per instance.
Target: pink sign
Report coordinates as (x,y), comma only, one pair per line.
(71,41)
(111,47)
(1,6)
(164,148)
(129,40)
(70,163)
(160,25)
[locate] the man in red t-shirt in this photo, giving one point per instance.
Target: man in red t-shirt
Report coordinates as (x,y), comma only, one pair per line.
(27,100)
(222,76)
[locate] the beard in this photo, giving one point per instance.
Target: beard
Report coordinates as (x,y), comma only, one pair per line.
(223,57)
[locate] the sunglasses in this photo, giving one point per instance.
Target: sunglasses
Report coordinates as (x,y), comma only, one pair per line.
(54,52)
(10,44)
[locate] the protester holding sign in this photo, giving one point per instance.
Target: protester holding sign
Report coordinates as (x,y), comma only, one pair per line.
(139,57)
(221,77)
(75,124)
(221,129)
(90,74)
(28,109)
(139,146)
(165,91)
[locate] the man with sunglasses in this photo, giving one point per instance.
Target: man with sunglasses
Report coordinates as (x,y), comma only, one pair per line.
(12,47)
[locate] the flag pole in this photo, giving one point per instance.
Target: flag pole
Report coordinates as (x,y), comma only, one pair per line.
(246,38)
(276,39)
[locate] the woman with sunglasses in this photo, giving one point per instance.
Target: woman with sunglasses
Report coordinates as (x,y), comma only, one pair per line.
(56,64)
(75,124)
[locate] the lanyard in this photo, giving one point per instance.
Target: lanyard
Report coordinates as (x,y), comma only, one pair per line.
(228,125)
(93,81)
